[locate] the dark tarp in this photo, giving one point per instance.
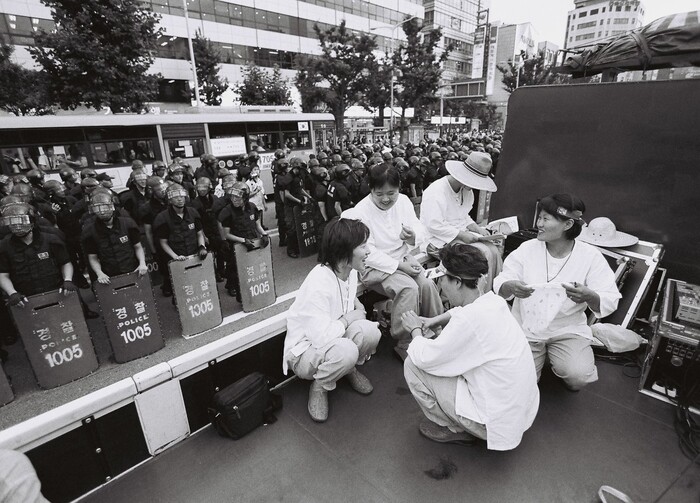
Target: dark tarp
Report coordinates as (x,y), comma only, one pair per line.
(669,42)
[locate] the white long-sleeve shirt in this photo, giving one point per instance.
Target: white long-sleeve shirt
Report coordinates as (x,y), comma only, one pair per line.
(586,265)
(485,348)
(386,248)
(313,318)
(444,212)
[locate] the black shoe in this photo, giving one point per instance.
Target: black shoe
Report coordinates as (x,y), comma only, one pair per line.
(167,292)
(90,314)
(219,278)
(233,292)
(292,254)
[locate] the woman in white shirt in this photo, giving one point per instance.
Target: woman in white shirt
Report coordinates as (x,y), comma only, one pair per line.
(395,232)
(327,330)
(554,279)
(477,378)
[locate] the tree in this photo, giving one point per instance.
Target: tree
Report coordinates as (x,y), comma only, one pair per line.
(308,83)
(377,87)
(260,88)
(419,68)
(99,54)
(22,91)
(529,71)
(207,59)
(339,68)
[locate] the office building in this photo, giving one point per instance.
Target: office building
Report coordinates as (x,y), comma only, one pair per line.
(549,50)
(263,32)
(592,21)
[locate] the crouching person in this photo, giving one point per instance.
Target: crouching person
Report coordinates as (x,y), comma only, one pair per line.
(328,334)
(477,378)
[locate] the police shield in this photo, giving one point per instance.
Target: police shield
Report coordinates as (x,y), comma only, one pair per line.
(6,395)
(56,338)
(256,283)
(130,316)
(306,230)
(196,298)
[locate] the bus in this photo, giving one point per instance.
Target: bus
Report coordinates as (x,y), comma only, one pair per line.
(110,143)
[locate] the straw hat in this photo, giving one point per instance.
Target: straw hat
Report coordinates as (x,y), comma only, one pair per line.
(474,172)
(601,231)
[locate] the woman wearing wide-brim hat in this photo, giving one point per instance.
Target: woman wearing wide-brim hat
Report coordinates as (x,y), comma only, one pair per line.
(553,280)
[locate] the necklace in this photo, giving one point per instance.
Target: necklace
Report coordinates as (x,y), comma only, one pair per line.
(546,263)
(343,300)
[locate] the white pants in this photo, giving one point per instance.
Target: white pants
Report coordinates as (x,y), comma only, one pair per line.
(436,397)
(337,358)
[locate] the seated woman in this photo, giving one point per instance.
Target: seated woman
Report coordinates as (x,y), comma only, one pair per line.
(391,268)
(554,279)
(477,378)
(327,330)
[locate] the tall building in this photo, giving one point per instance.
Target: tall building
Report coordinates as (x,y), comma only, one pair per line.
(549,51)
(263,32)
(458,21)
(594,20)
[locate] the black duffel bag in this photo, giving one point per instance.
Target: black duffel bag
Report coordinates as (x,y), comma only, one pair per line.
(243,406)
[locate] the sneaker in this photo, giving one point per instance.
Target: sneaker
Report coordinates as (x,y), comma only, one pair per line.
(318,402)
(292,254)
(443,434)
(359,382)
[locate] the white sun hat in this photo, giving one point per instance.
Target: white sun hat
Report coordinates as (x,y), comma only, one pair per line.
(601,231)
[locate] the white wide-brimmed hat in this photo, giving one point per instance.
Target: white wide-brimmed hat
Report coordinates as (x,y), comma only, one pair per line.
(473,172)
(601,231)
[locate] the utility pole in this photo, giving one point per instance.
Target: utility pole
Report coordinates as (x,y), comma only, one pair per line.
(192,62)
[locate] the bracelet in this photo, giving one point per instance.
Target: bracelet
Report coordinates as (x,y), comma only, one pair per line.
(416,328)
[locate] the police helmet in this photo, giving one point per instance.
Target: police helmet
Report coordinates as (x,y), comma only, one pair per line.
(89,173)
(279,153)
(53,187)
(297,162)
(239,189)
(67,174)
(176,190)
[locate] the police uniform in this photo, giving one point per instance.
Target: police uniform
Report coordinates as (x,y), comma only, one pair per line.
(295,186)
(132,200)
(113,246)
(36,267)
(209,208)
(337,193)
(180,233)
(241,222)
(148,212)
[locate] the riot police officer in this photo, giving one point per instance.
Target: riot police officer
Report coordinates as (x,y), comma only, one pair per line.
(209,206)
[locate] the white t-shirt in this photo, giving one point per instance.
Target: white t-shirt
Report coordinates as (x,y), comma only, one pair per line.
(530,263)
(444,212)
(386,248)
(313,318)
(497,386)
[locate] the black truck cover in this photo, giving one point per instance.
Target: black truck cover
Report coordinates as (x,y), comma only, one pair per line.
(670,41)
(631,151)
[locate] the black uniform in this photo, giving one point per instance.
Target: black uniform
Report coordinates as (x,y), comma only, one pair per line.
(114,246)
(131,201)
(209,208)
(148,212)
(36,267)
(180,233)
(241,222)
(294,185)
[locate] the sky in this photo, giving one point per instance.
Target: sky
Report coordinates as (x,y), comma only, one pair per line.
(549,16)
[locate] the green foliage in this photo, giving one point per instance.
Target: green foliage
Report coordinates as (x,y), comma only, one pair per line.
(420,68)
(99,54)
(307,82)
(258,87)
(530,71)
(377,87)
(207,59)
(22,91)
(338,76)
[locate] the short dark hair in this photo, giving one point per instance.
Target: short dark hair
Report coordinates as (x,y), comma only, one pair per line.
(340,237)
(551,205)
(464,261)
(383,174)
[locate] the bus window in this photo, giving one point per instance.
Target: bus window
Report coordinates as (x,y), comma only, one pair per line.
(267,141)
(296,140)
(186,150)
(16,160)
(122,152)
(46,158)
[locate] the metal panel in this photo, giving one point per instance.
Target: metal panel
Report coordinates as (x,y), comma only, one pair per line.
(183,131)
(6,394)
(56,338)
(130,315)
(306,230)
(196,298)
(257,284)
(162,415)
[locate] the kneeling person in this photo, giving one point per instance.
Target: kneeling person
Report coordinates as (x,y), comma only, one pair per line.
(327,330)
(477,378)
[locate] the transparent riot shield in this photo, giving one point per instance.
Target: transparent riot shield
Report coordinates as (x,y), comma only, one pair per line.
(56,338)
(196,298)
(257,284)
(129,312)
(306,230)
